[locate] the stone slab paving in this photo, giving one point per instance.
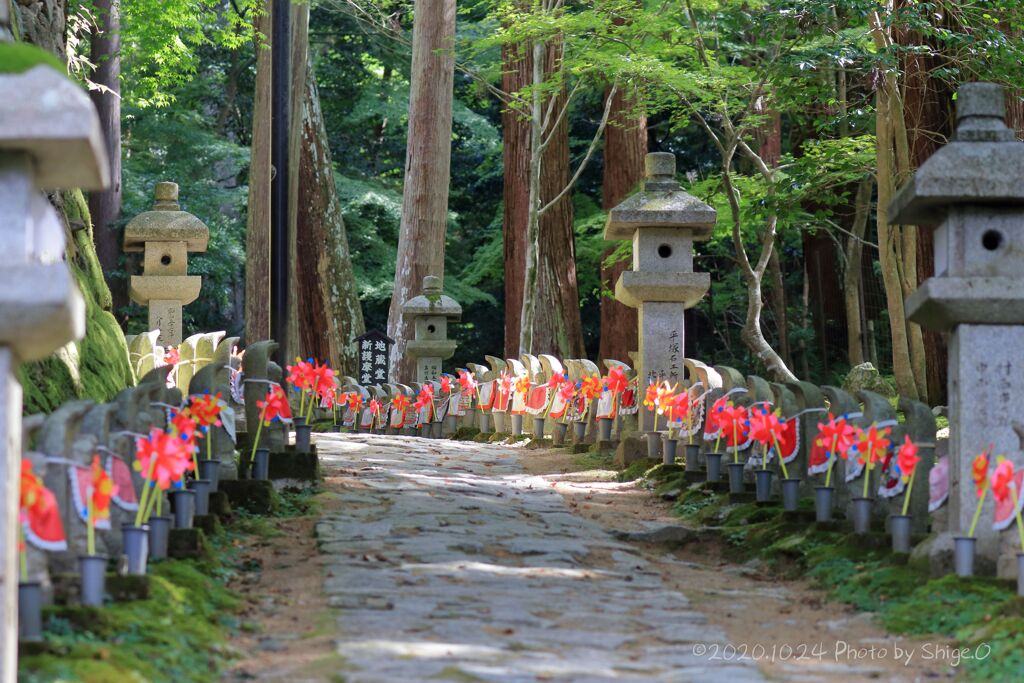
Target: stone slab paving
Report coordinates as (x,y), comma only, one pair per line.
(447,562)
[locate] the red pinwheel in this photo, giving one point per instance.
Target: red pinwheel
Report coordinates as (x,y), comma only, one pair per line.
(979,471)
(907,460)
(467,381)
(274,406)
(735,425)
(424,398)
(651,397)
(446,384)
(556,381)
(1005,487)
(1002,480)
(766,427)
(400,402)
(591,387)
(163,458)
(172,356)
(101,490)
(300,375)
(375,407)
(681,405)
(567,391)
(663,397)
(355,401)
(834,439)
(836,435)
(616,380)
(714,425)
(871,447)
(184,425)
(206,409)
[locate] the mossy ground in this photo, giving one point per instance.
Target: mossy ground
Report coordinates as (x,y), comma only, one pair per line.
(179,634)
(981,614)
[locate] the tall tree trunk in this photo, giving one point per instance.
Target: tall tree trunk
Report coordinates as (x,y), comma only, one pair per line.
(625,147)
(771,152)
(421,239)
(330,310)
(540,259)
(298,256)
(897,249)
(852,275)
(515,133)
(889,247)
(257,238)
(550,313)
(105,205)
(928,117)
(557,326)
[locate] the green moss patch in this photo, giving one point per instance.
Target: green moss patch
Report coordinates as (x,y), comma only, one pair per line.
(178,634)
(465,434)
(97,366)
(638,469)
(16,58)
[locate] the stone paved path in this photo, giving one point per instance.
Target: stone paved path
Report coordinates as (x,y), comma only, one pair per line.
(447,562)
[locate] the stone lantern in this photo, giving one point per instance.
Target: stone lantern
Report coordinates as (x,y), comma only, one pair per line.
(165,235)
(662,221)
(49,138)
(431,312)
(973,190)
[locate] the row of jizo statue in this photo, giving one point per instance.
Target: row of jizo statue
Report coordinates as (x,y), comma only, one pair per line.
(518,396)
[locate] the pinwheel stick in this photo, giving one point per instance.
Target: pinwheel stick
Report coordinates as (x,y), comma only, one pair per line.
(735,444)
(302,402)
(140,515)
(1016,513)
(977,511)
(718,441)
(156,498)
(831,459)
(867,473)
(22,553)
(782,460)
(90,537)
(259,430)
(910,488)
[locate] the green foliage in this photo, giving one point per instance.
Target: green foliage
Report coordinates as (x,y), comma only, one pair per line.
(181,144)
(162,41)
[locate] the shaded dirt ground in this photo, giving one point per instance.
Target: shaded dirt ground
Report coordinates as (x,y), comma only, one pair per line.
(787,626)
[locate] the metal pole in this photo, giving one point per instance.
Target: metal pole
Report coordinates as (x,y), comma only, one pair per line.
(279,126)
